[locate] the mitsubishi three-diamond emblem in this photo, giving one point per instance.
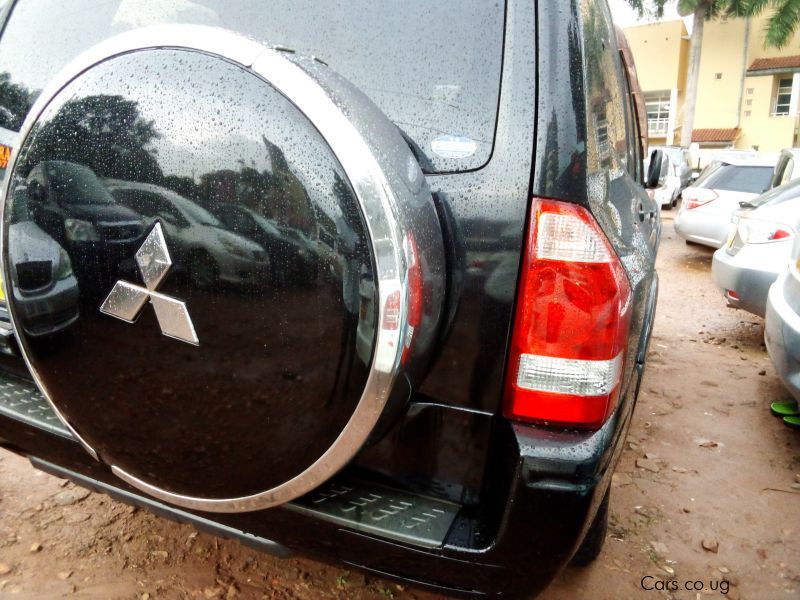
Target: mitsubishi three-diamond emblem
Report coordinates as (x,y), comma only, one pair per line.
(127,300)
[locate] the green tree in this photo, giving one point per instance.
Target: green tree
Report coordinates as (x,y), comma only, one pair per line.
(781,26)
(15,102)
(103,132)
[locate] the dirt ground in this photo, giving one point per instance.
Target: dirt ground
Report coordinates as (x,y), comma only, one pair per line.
(707,492)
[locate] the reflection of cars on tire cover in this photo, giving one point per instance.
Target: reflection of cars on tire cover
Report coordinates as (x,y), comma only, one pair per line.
(201,245)
(291,253)
(71,204)
(45,289)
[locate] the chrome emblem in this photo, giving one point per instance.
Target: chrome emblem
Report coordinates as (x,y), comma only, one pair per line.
(127,300)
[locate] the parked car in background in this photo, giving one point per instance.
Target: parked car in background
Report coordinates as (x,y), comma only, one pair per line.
(759,245)
(678,177)
(705,213)
(70,204)
(298,256)
(782,328)
(44,286)
(202,244)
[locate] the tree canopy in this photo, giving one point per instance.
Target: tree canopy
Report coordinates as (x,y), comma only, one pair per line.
(783,22)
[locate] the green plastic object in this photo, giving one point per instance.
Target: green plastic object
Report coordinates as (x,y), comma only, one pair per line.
(785,409)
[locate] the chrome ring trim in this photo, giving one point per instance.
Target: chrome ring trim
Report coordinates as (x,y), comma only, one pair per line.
(375,196)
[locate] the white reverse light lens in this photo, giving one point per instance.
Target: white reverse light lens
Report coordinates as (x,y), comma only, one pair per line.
(566,237)
(569,376)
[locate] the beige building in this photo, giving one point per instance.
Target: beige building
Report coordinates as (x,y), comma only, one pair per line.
(748,95)
(661,54)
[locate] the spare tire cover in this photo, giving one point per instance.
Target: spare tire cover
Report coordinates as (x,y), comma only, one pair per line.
(219,258)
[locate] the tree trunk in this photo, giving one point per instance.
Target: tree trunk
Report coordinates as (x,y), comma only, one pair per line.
(693,74)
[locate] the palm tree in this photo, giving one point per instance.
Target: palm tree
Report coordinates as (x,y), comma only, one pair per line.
(782,24)
(780,28)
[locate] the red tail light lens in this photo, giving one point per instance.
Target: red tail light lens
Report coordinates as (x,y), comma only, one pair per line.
(415,295)
(697,197)
(571,324)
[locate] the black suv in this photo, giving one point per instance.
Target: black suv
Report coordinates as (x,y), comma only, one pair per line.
(442,394)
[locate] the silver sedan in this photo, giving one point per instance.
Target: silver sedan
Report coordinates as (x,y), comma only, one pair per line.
(758,248)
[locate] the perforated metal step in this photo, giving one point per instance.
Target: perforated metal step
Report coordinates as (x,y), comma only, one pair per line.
(21,400)
(387,512)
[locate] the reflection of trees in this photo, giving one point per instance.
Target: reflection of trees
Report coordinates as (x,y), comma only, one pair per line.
(110,134)
(15,102)
(182,185)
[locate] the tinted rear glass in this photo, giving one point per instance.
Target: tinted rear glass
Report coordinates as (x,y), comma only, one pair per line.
(734,178)
(75,184)
(432,67)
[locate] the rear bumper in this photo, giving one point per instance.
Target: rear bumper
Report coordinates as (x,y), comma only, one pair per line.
(702,228)
(545,489)
(749,274)
(782,333)
(51,311)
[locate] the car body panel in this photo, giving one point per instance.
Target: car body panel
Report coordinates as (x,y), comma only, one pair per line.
(782,329)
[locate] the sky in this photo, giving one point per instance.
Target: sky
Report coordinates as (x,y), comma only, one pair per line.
(625,16)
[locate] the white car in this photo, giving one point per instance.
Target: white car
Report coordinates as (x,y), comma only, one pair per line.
(677,178)
(44,286)
(203,247)
(708,204)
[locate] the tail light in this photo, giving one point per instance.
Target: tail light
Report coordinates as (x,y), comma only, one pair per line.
(571,324)
(697,197)
(415,295)
(757,231)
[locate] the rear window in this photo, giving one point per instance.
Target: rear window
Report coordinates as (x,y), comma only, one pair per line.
(735,178)
(75,184)
(432,67)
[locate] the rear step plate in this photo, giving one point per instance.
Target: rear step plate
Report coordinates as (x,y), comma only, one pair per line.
(21,400)
(383,511)
(365,507)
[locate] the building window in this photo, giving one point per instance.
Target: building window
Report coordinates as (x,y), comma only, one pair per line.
(783,97)
(658,107)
